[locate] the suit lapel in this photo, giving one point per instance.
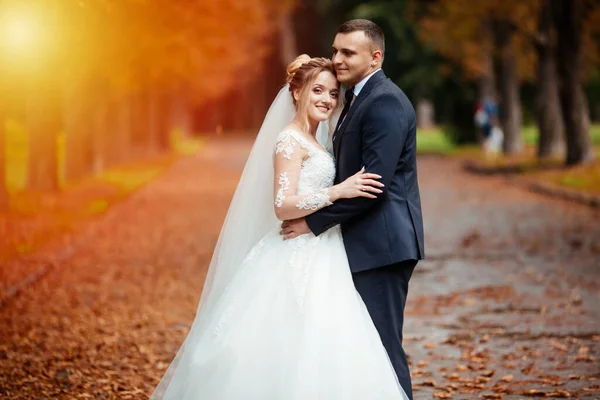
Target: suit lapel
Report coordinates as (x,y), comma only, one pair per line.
(378,76)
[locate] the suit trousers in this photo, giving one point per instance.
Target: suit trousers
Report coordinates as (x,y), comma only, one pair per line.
(384,291)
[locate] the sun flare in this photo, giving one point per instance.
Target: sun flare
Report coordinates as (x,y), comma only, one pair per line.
(20,32)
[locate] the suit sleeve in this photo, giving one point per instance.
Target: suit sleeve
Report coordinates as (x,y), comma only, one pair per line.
(383,135)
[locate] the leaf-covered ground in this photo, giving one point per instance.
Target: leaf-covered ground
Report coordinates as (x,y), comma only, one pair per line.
(506,306)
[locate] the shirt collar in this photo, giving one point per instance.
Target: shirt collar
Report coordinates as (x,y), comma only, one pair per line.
(358,87)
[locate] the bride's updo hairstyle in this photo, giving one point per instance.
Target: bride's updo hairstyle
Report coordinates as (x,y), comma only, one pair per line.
(301,74)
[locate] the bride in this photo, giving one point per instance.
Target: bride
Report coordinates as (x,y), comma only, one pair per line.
(282,320)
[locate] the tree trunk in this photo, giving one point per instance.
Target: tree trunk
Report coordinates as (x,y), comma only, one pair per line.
(154,125)
(3,190)
(510,102)
(116,116)
(548,115)
(181,115)
(139,131)
(78,136)
(44,124)
(288,39)
(568,22)
(487,81)
(164,122)
(123,143)
(425,114)
(100,127)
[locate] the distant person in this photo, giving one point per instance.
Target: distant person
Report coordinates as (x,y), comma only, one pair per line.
(487,120)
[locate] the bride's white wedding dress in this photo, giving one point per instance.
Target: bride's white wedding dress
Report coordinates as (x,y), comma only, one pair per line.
(290,324)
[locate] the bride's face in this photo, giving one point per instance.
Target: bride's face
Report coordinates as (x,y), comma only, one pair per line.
(323,96)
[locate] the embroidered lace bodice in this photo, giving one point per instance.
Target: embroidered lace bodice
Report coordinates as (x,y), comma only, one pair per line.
(303,173)
(318,170)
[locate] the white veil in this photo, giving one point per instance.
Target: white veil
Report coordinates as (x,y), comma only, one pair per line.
(249,218)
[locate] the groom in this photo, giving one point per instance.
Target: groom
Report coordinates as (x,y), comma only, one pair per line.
(384,236)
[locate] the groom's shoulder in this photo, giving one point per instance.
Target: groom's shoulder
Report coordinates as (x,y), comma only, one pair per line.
(388,86)
(387,90)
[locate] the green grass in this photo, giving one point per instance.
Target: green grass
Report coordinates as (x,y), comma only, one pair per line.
(17,145)
(181,144)
(17,153)
(433,141)
(530,134)
(97,207)
(129,179)
(572,181)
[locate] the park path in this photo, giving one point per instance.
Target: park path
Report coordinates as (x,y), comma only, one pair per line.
(507,305)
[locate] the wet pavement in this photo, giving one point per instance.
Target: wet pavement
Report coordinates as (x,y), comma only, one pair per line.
(507,304)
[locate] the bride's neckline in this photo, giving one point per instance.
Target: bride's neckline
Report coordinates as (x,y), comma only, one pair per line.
(314,143)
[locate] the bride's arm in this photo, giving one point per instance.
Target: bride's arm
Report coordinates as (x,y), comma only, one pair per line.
(289,156)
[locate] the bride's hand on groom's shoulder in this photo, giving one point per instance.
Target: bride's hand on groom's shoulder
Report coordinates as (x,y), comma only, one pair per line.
(360,184)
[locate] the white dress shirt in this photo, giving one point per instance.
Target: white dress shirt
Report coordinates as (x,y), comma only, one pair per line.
(358,87)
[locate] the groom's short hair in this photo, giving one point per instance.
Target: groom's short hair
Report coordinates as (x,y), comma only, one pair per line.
(372,31)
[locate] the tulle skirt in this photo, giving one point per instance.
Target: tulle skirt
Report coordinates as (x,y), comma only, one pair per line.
(290,326)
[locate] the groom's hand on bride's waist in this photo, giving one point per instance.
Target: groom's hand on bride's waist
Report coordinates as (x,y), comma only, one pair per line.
(294,228)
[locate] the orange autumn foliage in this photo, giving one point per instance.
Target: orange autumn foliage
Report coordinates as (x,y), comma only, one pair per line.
(460,31)
(211,46)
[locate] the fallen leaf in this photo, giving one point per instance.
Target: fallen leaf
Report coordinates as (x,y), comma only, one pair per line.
(450,340)
(527,370)
(533,392)
(557,345)
(453,377)
(498,388)
(559,393)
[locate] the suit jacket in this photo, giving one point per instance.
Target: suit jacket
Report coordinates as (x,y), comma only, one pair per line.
(379,133)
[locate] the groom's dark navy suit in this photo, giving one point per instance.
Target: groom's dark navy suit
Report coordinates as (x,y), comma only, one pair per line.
(384,236)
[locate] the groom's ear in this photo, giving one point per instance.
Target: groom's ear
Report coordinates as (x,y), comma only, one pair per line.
(376,57)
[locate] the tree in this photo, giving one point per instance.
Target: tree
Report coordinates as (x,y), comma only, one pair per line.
(568,20)
(414,67)
(3,190)
(119,75)
(547,106)
(480,38)
(136,69)
(43,124)
(4,199)
(508,86)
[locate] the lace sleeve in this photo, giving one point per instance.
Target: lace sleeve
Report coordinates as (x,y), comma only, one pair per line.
(289,154)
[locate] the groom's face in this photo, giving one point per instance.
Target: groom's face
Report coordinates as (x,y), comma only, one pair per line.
(352,57)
